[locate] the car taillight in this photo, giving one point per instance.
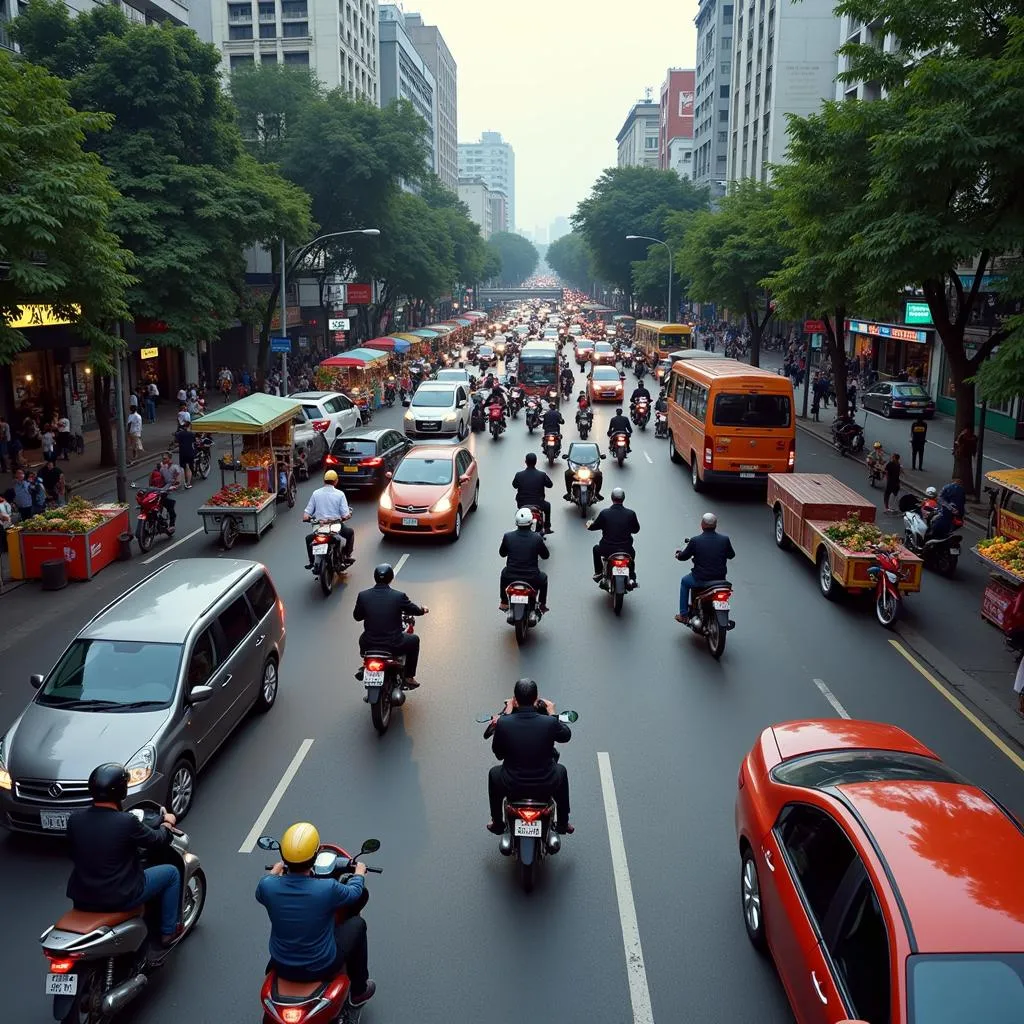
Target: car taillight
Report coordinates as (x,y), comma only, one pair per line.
(376,460)
(708,455)
(61,965)
(374,664)
(898,404)
(791,461)
(320,426)
(330,460)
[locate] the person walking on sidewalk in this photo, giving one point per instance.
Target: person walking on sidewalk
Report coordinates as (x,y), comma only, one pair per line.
(135,448)
(918,439)
(64,438)
(152,394)
(893,469)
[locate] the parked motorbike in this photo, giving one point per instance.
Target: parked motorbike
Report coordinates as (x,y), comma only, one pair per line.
(523,609)
(532,413)
(99,962)
(383,676)
(204,449)
(848,438)
(620,447)
(496,421)
(324,1001)
(583,490)
(940,554)
(584,422)
(641,413)
(661,424)
(886,572)
(329,560)
(551,447)
(616,580)
(153,518)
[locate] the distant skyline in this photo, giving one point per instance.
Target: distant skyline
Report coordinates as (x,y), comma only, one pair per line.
(557,81)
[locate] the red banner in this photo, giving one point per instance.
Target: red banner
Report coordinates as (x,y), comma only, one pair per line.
(360,294)
(814,327)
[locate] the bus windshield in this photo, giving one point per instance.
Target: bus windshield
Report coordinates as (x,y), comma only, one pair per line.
(538,371)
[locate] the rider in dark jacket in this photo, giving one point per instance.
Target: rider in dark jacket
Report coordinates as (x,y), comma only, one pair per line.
(530,484)
(552,421)
(710,552)
(522,548)
(620,424)
(380,610)
(617,525)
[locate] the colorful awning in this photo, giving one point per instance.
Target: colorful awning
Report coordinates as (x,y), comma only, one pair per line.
(389,343)
(355,357)
(424,332)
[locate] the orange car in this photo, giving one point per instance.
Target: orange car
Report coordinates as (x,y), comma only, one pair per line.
(604,384)
(431,491)
(884,885)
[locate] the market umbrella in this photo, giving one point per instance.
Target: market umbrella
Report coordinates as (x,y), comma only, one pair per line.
(389,343)
(440,328)
(424,332)
(463,322)
(255,414)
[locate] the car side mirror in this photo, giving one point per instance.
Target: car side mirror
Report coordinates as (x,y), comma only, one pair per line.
(461,404)
(268,843)
(405,403)
(36,680)
(388,475)
(198,694)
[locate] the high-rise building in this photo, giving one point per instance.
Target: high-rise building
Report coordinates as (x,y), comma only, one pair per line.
(493,160)
(144,12)
(434,50)
(480,200)
(852,30)
(638,137)
(404,74)
(559,226)
(337,41)
(784,62)
(713,82)
(675,132)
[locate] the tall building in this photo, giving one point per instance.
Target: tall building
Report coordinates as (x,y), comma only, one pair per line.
(559,226)
(478,197)
(714,77)
(638,137)
(675,132)
(434,50)
(853,31)
(404,75)
(145,12)
(337,41)
(493,160)
(784,62)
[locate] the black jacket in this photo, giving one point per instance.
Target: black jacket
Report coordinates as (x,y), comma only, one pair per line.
(530,484)
(710,552)
(107,873)
(552,421)
(521,549)
(525,741)
(619,425)
(380,610)
(640,392)
(617,525)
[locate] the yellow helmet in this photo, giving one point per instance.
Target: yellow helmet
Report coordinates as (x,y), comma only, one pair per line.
(330,477)
(300,844)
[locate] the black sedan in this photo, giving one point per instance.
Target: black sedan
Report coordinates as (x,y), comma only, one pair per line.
(893,398)
(362,457)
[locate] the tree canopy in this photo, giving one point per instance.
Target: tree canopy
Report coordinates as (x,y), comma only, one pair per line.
(570,258)
(518,257)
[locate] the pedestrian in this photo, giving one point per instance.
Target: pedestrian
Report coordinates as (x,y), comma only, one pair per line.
(52,479)
(133,402)
(186,451)
(184,416)
(152,394)
(965,447)
(135,448)
(37,492)
(893,469)
(64,438)
(816,400)
(49,439)
(918,439)
(851,394)
(22,495)
(5,443)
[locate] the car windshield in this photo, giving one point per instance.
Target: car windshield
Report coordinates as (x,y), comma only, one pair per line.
(486,350)
(353,447)
(433,399)
(953,989)
(112,675)
(752,410)
(909,391)
(584,454)
(424,471)
(839,767)
(603,346)
(606,373)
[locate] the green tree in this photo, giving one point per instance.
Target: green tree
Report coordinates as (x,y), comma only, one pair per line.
(56,246)
(269,99)
(728,255)
(518,256)
(570,258)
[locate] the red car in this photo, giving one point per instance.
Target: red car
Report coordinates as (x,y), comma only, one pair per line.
(885,887)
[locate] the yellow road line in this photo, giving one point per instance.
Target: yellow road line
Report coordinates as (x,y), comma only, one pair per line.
(962,708)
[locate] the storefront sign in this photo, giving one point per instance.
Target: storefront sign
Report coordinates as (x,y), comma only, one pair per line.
(360,294)
(149,353)
(294,314)
(888,331)
(917,313)
(40,316)
(814,327)
(339,323)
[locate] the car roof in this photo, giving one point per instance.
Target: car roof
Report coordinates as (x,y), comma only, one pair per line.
(165,605)
(814,735)
(315,396)
(954,855)
(604,371)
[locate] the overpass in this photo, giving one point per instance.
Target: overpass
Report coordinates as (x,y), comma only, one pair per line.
(488,297)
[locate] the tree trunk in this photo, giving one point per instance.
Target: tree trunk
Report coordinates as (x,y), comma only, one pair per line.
(101,400)
(837,357)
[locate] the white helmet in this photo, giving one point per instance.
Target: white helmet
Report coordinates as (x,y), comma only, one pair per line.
(524,517)
(930,492)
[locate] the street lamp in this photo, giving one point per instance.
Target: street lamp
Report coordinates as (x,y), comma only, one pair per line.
(658,241)
(296,256)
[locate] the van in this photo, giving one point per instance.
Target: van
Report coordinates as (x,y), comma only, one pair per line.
(731,422)
(158,681)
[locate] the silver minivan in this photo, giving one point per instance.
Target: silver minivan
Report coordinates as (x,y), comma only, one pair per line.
(157,680)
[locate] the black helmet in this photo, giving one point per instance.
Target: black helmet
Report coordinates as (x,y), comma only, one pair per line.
(108,783)
(383,573)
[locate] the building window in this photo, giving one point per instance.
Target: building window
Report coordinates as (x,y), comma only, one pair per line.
(293,9)
(242,60)
(724,67)
(301,58)
(295,29)
(239,31)
(723,115)
(723,92)
(267,12)
(723,136)
(650,142)
(268,31)
(239,12)
(268,58)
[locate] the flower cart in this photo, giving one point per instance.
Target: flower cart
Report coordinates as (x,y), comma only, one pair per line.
(265,425)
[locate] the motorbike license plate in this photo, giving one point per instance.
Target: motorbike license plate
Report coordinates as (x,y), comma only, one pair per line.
(61,984)
(319,549)
(721,606)
(54,821)
(530,829)
(955,552)
(747,476)
(620,570)
(410,521)
(373,678)
(520,599)
(350,469)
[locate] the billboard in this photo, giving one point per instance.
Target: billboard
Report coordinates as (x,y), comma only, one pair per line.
(678,95)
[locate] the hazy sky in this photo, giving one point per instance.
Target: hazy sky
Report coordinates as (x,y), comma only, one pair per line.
(557,78)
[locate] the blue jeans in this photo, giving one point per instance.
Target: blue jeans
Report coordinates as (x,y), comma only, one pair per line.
(151,409)
(164,881)
(686,584)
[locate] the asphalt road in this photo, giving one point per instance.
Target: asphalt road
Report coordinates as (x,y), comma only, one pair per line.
(452,937)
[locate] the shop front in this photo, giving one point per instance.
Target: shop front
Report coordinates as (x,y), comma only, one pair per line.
(1005,418)
(892,350)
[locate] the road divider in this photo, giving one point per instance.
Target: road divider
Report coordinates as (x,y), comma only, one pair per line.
(170,547)
(275,798)
(831,698)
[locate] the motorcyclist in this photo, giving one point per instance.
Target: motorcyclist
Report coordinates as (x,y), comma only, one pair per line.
(640,391)
(953,494)
(172,476)
(530,484)
(582,402)
(617,525)
(951,501)
(521,548)
(524,741)
(497,398)
(620,424)
(329,504)
(710,552)
(104,843)
(307,943)
(877,459)
(380,609)
(583,453)
(552,421)
(567,377)
(661,405)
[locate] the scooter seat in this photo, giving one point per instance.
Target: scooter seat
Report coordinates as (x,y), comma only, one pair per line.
(296,991)
(82,922)
(386,655)
(703,588)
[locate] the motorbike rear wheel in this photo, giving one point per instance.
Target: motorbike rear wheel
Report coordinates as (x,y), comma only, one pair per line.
(527,875)
(85,1008)
(617,600)
(380,713)
(521,627)
(715,637)
(203,464)
(145,534)
(327,571)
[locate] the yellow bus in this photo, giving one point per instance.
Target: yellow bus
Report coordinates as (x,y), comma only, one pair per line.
(658,339)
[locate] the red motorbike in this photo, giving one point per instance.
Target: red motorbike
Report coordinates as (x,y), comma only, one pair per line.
(383,675)
(641,413)
(496,420)
(324,1001)
(620,447)
(153,517)
(887,572)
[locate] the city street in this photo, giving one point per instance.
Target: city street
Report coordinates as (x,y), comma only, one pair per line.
(452,936)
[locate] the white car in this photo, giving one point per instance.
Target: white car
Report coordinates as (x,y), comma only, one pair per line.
(438,409)
(306,437)
(452,376)
(330,412)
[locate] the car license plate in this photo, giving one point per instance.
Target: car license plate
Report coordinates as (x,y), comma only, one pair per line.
(620,570)
(319,549)
(530,829)
(431,426)
(955,552)
(371,678)
(721,606)
(747,476)
(350,469)
(61,984)
(749,469)
(520,599)
(55,821)
(410,521)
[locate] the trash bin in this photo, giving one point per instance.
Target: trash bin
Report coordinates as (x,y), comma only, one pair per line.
(54,574)
(124,552)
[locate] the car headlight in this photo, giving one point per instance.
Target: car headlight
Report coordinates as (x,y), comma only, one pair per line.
(385,500)
(141,766)
(443,505)
(5,775)
(451,416)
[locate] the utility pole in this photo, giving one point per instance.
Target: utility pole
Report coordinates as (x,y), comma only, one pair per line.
(284,321)
(121,475)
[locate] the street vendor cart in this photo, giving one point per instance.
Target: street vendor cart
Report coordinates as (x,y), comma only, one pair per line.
(265,425)
(835,528)
(1002,604)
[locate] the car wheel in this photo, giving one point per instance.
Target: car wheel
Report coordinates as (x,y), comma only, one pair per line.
(181,788)
(461,432)
(698,484)
(750,893)
(457,529)
(887,410)
(476,497)
(268,686)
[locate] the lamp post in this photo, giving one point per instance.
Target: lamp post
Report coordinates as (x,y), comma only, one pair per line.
(658,241)
(296,256)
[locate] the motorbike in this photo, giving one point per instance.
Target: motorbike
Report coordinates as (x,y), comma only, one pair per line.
(100,962)
(529,824)
(567,386)
(583,490)
(708,614)
(886,573)
(641,413)
(847,438)
(876,469)
(324,1001)
(153,518)
(515,401)
(523,609)
(640,370)
(627,359)
(616,580)
(551,447)
(496,420)
(620,447)
(478,417)
(584,422)
(204,447)
(661,424)
(938,553)
(532,414)
(383,676)
(390,392)
(329,561)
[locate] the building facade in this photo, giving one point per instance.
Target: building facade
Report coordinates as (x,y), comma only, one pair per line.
(144,12)
(713,83)
(499,210)
(675,132)
(639,135)
(784,62)
(493,160)
(852,30)
(478,197)
(435,54)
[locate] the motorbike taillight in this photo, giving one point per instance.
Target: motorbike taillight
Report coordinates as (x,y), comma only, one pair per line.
(721,595)
(529,813)
(620,562)
(374,664)
(61,964)
(293,1014)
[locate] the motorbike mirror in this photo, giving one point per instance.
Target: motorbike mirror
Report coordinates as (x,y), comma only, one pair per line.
(268,843)
(567,716)
(198,694)
(369,846)
(483,719)
(36,680)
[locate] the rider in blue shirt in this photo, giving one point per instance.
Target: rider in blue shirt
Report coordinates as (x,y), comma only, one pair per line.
(710,552)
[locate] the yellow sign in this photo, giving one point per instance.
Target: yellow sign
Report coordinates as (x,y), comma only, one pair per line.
(1010,525)
(40,316)
(149,353)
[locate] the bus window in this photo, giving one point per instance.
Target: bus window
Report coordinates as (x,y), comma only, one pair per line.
(733,410)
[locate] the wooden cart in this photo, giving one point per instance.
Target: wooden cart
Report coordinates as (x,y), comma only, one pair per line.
(803,506)
(1002,603)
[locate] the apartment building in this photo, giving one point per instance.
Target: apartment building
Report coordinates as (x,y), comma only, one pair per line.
(711,100)
(639,136)
(493,160)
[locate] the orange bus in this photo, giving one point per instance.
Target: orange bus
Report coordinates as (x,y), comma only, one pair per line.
(731,422)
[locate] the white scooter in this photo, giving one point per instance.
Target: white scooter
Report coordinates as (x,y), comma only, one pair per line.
(938,553)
